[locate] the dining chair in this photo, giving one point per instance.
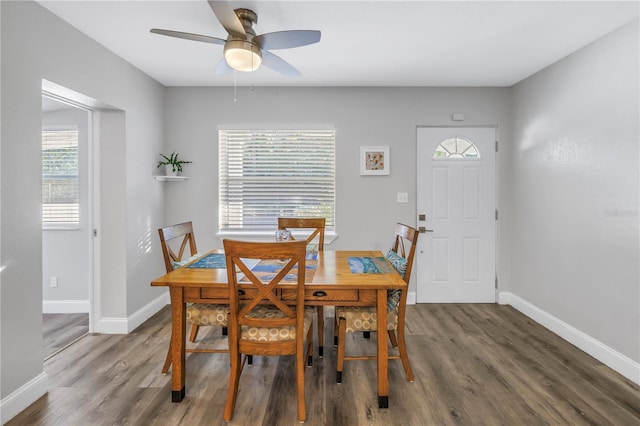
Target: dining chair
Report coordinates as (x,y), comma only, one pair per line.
(350,319)
(260,323)
(316,225)
(175,240)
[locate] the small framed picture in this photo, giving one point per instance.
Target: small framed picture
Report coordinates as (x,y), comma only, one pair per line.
(374,160)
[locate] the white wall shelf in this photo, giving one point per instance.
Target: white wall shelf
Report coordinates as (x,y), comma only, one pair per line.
(170,178)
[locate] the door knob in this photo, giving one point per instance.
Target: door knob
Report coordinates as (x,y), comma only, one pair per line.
(422,230)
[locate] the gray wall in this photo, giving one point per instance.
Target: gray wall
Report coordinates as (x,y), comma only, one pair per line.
(575,191)
(36,45)
(366,205)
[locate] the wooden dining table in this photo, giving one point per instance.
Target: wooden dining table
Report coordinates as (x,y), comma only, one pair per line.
(334,283)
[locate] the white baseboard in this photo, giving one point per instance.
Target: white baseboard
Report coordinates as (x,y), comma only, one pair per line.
(411,298)
(603,353)
(115,325)
(26,395)
(65,306)
(150,309)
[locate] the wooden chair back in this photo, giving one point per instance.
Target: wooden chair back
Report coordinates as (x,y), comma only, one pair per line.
(316,224)
(406,236)
(243,301)
(177,238)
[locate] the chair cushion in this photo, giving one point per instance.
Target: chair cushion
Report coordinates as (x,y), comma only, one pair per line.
(273,334)
(364,318)
(207,314)
(393,299)
(398,262)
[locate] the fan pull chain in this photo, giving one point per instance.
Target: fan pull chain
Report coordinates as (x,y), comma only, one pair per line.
(235,86)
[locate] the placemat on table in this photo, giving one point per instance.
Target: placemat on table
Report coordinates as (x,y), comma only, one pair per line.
(210,261)
(266,269)
(370,265)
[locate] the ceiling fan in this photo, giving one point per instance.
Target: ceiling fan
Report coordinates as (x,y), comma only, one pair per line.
(243,49)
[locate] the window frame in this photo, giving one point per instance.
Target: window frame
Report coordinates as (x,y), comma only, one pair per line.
(282,139)
(453,156)
(61,225)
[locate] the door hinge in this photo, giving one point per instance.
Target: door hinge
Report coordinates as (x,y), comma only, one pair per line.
(95,232)
(496,146)
(496,282)
(496,214)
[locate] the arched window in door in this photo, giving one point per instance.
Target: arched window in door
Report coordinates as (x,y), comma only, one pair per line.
(454,148)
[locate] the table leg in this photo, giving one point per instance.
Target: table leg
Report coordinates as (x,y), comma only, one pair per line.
(383,350)
(178,336)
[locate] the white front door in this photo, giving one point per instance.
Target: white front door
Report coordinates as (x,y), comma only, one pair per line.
(455,258)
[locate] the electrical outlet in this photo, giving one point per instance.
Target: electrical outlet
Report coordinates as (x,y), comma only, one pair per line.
(403,197)
(54,282)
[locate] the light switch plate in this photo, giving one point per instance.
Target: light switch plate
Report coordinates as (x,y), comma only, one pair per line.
(403,197)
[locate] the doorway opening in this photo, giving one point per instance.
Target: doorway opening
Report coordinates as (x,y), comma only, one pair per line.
(66,222)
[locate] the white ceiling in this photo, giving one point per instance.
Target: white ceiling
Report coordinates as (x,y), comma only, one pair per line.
(364,43)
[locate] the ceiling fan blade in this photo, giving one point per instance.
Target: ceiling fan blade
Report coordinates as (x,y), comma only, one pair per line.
(228,18)
(223,67)
(278,64)
(189,36)
(287,39)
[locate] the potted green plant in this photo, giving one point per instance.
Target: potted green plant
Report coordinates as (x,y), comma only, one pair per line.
(172,164)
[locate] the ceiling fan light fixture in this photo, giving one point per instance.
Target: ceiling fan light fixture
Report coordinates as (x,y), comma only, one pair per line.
(242,55)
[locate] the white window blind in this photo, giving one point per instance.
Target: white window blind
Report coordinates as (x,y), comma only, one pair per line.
(60,196)
(265,174)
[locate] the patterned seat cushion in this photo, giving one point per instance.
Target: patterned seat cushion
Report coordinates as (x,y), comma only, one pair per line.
(364,318)
(273,334)
(400,263)
(206,314)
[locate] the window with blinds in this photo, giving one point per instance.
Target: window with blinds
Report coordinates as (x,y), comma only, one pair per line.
(60,193)
(265,174)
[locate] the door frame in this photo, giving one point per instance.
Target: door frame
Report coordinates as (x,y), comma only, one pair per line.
(497,181)
(93,107)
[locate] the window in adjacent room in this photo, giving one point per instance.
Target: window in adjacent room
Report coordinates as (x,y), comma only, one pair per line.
(60,196)
(265,174)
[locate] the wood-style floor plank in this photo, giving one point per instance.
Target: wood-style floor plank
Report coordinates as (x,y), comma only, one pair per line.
(60,330)
(474,364)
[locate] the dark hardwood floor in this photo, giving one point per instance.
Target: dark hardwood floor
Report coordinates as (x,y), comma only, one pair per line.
(474,365)
(61,330)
